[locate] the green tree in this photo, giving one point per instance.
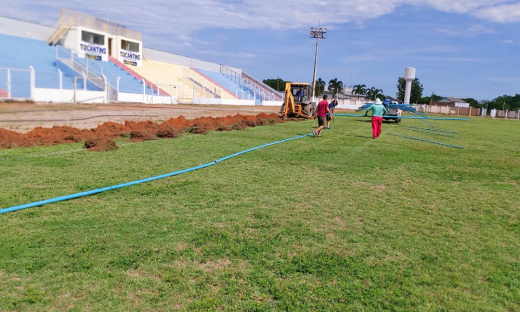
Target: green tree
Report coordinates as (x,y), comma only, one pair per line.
(424,100)
(336,86)
(417,90)
(359,89)
(277,84)
(430,99)
(373,93)
(505,102)
(472,102)
(320,87)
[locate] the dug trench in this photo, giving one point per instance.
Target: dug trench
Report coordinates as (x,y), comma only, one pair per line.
(102,137)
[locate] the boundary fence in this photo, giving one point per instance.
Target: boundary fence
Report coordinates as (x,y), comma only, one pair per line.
(467,111)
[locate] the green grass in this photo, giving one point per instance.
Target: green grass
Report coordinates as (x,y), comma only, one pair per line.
(337,223)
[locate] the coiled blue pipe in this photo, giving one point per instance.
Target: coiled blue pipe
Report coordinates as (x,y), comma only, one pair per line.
(113,187)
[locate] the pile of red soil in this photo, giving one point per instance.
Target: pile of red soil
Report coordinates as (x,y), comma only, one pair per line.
(101,138)
(101,145)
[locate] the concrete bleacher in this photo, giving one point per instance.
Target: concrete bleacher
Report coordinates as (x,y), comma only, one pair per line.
(163,74)
(21,53)
(183,78)
(233,87)
(127,82)
(214,88)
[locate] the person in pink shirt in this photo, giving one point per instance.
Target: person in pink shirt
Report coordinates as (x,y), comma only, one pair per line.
(321,112)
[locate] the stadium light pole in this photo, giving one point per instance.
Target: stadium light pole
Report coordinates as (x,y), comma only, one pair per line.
(316,32)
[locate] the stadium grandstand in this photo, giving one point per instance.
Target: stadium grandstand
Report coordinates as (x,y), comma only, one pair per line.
(84,58)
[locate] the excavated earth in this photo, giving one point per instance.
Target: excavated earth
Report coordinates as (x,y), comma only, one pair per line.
(102,137)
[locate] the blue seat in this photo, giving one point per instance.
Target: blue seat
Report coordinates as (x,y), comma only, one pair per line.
(127,82)
(233,85)
(21,53)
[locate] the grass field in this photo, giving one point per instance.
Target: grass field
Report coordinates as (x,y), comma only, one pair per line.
(341,222)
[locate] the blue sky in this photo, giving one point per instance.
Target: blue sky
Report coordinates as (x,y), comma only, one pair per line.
(460,48)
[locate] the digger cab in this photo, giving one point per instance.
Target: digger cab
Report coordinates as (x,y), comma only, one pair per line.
(301,92)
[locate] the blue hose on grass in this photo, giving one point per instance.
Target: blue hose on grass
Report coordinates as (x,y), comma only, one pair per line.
(429,141)
(431,132)
(422,119)
(113,187)
(404,117)
(436,130)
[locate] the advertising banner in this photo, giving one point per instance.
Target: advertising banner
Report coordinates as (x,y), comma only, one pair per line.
(130,58)
(93,51)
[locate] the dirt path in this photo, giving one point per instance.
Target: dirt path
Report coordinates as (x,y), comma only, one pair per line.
(24,117)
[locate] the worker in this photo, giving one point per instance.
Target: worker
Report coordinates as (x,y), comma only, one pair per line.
(299,95)
(378,110)
(386,103)
(332,105)
(321,112)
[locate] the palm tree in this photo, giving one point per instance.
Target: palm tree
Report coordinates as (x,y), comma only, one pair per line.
(320,86)
(336,86)
(373,93)
(359,89)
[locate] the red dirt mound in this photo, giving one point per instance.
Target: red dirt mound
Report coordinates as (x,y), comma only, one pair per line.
(100,145)
(100,138)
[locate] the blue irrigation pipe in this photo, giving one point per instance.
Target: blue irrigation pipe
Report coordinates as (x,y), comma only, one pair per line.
(422,119)
(404,117)
(162,176)
(430,132)
(429,141)
(436,130)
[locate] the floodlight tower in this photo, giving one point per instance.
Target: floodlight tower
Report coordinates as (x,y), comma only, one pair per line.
(316,32)
(409,77)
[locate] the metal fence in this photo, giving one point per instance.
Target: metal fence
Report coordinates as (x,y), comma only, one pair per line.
(248,85)
(16,83)
(94,73)
(202,86)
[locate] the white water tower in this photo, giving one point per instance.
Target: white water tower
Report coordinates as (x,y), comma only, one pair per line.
(409,76)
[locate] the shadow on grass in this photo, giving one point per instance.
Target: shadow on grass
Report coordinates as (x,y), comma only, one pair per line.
(359,136)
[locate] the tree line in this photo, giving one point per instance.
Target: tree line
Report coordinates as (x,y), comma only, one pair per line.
(510,102)
(335,86)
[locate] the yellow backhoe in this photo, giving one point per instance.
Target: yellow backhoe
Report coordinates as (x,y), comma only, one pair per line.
(298,101)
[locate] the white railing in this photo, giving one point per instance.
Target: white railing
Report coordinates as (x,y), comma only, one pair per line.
(274,95)
(93,72)
(17,83)
(246,81)
(199,82)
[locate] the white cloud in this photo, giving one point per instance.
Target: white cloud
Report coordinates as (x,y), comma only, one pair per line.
(186,16)
(448,31)
(509,12)
(229,54)
(451,59)
(480,29)
(466,32)
(508,41)
(415,53)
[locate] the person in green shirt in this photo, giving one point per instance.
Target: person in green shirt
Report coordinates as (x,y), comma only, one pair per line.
(378,110)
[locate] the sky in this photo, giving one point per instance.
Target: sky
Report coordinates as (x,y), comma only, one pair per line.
(460,48)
